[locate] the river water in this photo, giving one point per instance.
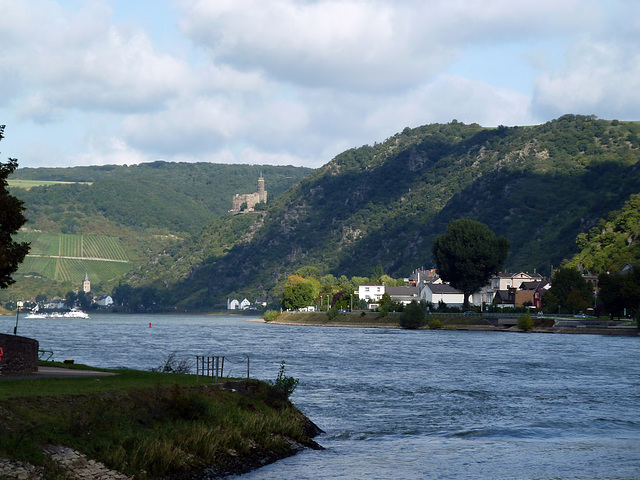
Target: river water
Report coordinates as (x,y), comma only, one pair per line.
(398,404)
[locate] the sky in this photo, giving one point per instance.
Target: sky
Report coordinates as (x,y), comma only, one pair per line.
(296,82)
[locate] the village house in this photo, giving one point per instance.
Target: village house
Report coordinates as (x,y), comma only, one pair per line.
(442,292)
(104,301)
(505,282)
(421,276)
(404,295)
(371,292)
(234,304)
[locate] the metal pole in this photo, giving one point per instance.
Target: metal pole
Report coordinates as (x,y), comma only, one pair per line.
(15,329)
(247,368)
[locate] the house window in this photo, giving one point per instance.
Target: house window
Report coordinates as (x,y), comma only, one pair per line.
(366,289)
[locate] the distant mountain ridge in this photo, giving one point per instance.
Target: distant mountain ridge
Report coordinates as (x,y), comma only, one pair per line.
(167,197)
(540,186)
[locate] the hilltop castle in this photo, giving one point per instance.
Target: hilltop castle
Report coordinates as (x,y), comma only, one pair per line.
(251,199)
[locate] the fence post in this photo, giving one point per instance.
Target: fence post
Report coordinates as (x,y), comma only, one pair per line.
(247,368)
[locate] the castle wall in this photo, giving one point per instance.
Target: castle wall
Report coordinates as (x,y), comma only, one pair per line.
(20,355)
(251,199)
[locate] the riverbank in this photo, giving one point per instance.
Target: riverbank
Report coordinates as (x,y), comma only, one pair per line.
(373,320)
(446,321)
(145,425)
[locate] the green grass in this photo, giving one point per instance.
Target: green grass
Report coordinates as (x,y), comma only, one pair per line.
(27,184)
(373,319)
(82,385)
(151,425)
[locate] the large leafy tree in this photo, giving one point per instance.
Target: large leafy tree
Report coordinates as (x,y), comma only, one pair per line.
(468,254)
(11,219)
(620,292)
(299,292)
(571,289)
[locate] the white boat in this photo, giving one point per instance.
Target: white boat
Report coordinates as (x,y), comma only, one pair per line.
(73,313)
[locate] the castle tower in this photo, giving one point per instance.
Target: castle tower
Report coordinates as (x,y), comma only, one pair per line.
(262,193)
(86,284)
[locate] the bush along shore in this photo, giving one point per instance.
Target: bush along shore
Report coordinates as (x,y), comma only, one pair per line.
(446,321)
(145,425)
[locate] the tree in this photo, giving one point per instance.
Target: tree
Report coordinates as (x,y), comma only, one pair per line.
(299,292)
(620,293)
(413,315)
(11,219)
(571,289)
(70,299)
(525,322)
(576,302)
(123,295)
(386,304)
(468,254)
(84,300)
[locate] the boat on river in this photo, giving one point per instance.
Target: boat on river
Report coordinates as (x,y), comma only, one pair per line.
(73,313)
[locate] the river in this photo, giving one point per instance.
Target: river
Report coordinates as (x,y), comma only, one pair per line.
(399,404)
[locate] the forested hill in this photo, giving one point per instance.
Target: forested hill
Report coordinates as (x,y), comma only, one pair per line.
(539,186)
(162,196)
(612,242)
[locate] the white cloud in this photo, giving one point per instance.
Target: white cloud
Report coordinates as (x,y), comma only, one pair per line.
(597,78)
(109,151)
(78,60)
(292,81)
(453,97)
(374,45)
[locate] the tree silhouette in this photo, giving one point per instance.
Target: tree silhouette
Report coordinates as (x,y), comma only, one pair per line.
(468,254)
(11,219)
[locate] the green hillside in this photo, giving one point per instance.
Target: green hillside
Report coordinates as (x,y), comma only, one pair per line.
(111,219)
(58,263)
(161,196)
(539,186)
(611,243)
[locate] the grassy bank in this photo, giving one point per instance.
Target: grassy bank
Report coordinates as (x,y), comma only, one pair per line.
(374,320)
(151,425)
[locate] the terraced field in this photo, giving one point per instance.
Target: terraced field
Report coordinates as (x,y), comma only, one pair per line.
(67,258)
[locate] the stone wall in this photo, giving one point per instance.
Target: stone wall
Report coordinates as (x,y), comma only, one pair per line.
(20,355)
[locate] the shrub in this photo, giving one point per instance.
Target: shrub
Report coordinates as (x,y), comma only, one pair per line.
(332,313)
(285,384)
(173,365)
(525,322)
(414,315)
(435,323)
(270,315)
